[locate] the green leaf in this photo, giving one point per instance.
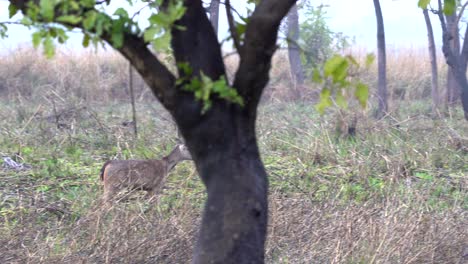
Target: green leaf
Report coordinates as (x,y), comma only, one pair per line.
(121,12)
(334,65)
(88,3)
(316,77)
(162,42)
(49,47)
(69,19)
(423,3)
(449,7)
(337,68)
(36,38)
(325,101)
(86,40)
(150,33)
(370,58)
(362,93)
(47,9)
(3,30)
(90,20)
(341,100)
(12,10)
(117,33)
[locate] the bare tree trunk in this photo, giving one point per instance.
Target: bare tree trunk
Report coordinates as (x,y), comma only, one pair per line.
(453,88)
(293,48)
(433,57)
(132,98)
(382,62)
(214,15)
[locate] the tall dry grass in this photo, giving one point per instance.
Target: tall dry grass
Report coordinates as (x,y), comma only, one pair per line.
(395,193)
(103,76)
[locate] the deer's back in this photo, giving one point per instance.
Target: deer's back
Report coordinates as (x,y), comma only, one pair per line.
(145,174)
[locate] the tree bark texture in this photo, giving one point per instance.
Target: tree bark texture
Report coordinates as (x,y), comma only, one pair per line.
(214,15)
(453,87)
(294,53)
(382,63)
(433,58)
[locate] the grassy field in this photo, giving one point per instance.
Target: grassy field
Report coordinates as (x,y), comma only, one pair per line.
(394,193)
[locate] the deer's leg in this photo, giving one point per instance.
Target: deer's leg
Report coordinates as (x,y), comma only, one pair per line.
(109,193)
(151,194)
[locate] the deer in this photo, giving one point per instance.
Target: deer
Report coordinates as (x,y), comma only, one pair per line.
(148,175)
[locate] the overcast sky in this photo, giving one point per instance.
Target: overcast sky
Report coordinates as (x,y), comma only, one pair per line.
(404,23)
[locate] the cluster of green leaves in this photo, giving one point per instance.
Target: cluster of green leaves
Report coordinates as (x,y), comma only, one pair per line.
(158,32)
(204,87)
(53,19)
(3,30)
(337,81)
(450,6)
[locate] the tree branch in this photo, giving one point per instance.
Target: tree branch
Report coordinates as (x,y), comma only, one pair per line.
(460,14)
(197,43)
(259,47)
(464,51)
(232,26)
(137,52)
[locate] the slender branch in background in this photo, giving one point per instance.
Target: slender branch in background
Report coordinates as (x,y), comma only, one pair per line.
(132,97)
(232,26)
(232,9)
(460,14)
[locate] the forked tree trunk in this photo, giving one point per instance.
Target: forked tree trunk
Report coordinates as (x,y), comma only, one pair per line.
(382,63)
(214,14)
(456,60)
(222,141)
(294,53)
(433,58)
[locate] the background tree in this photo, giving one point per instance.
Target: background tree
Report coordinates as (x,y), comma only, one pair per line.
(433,58)
(453,88)
(382,62)
(457,60)
(214,14)
(294,52)
(318,42)
(216,120)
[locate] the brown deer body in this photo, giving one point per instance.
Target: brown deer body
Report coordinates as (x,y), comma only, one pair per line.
(147,175)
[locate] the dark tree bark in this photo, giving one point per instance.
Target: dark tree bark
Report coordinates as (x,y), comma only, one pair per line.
(382,62)
(453,88)
(457,62)
(433,58)
(222,141)
(293,48)
(214,14)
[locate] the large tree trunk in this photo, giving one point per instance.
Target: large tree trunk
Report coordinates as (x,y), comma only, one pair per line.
(433,58)
(453,87)
(297,72)
(382,62)
(214,14)
(228,161)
